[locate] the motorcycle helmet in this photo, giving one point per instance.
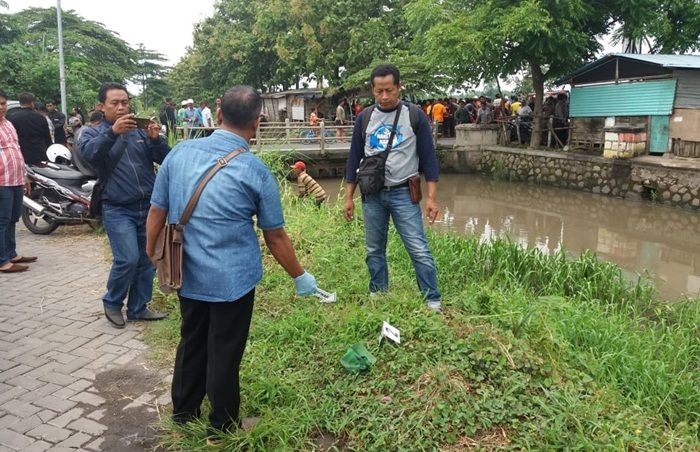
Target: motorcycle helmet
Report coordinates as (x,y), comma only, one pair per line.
(58,153)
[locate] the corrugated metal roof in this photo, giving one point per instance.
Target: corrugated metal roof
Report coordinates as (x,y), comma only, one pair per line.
(665,60)
(624,99)
(660,60)
(308,92)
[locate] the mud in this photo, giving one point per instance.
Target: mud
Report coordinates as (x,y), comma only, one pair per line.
(132,410)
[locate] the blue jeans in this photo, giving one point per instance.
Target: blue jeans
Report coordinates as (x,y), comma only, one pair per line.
(131,271)
(10,211)
(407,218)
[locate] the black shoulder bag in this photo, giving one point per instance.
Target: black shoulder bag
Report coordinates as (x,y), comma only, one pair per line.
(370,174)
(99,187)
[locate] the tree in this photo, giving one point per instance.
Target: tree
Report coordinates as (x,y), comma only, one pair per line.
(150,74)
(522,82)
(668,26)
(482,39)
(228,49)
(29,51)
(275,44)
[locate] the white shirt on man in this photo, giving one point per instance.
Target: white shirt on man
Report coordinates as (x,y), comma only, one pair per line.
(206,117)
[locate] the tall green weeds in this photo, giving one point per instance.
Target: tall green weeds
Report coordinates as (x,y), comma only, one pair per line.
(533,352)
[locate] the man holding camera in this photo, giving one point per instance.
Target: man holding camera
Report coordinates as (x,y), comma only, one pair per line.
(123,154)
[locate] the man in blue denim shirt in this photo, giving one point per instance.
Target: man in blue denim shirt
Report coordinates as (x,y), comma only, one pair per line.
(410,153)
(222,260)
(125,200)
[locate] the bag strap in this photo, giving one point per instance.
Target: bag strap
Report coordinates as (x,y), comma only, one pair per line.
(393,129)
(220,163)
(111,169)
(366,115)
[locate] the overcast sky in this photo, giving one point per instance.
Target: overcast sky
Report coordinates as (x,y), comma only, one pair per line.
(161,25)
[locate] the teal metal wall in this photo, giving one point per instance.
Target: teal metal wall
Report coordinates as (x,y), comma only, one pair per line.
(624,99)
(659,134)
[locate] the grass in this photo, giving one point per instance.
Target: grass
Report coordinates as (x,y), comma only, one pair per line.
(533,352)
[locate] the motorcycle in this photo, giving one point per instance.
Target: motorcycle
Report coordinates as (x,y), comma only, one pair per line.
(60,192)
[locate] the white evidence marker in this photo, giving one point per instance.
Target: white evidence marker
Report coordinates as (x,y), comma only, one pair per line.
(391,332)
(325,297)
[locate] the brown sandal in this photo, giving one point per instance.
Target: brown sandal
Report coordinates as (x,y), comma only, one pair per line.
(14,268)
(23,259)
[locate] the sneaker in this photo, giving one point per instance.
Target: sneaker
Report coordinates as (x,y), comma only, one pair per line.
(434,306)
(213,441)
(115,317)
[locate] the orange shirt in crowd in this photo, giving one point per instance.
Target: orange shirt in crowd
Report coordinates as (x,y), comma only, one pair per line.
(438,112)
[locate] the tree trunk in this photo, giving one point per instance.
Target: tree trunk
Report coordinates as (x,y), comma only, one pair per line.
(498,85)
(538,85)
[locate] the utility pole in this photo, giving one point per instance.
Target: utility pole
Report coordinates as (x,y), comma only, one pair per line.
(61,63)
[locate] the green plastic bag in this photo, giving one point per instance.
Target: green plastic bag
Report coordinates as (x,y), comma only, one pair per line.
(357,359)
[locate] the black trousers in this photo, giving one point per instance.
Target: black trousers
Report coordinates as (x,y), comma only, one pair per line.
(212,341)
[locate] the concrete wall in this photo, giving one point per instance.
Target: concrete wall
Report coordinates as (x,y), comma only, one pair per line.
(473,136)
(622,142)
(666,181)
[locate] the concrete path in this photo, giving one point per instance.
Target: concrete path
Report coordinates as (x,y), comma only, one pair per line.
(68,380)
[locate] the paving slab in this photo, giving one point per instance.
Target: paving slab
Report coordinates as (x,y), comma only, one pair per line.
(66,375)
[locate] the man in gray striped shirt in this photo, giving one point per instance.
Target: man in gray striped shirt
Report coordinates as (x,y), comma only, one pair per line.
(307,185)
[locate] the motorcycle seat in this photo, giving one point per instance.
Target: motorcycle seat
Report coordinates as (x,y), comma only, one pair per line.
(83,165)
(64,173)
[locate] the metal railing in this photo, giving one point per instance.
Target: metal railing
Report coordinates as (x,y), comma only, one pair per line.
(514,127)
(288,132)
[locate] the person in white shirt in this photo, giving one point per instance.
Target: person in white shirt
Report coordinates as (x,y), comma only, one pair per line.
(525,111)
(525,122)
(206,115)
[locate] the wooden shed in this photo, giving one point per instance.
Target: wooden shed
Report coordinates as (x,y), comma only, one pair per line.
(631,104)
(294,105)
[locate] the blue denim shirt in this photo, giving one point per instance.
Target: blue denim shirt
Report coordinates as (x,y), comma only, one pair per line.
(222,260)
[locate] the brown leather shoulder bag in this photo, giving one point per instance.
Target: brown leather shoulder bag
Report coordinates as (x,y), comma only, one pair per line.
(169,244)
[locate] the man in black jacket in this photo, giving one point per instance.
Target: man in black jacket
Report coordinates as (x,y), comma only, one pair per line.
(32,130)
(117,143)
(59,123)
(168,117)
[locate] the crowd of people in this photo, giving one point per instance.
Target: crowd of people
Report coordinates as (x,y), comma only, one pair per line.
(40,124)
(188,115)
(448,112)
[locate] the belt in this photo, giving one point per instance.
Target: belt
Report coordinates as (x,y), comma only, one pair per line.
(394,187)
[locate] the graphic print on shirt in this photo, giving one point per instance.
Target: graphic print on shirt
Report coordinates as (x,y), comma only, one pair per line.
(379,139)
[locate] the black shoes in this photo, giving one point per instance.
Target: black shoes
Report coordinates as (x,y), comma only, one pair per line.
(115,317)
(149,315)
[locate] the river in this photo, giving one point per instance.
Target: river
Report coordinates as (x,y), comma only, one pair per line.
(641,237)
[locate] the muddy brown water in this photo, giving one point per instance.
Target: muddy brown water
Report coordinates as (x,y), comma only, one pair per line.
(641,237)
